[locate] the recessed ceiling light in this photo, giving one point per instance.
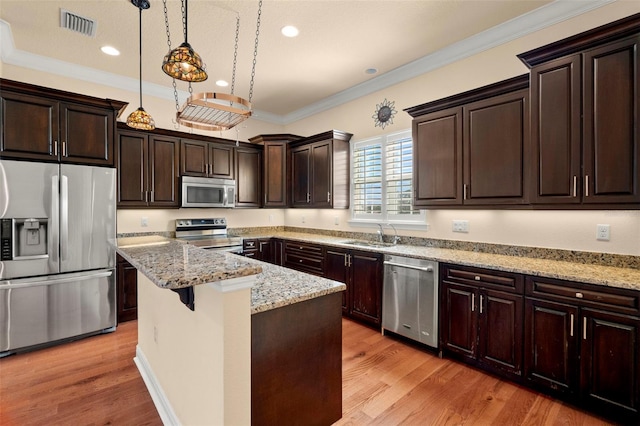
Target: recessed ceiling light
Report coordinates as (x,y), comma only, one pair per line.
(222,83)
(110,50)
(371,71)
(289,31)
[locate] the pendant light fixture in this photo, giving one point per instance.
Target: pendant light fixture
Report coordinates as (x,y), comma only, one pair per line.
(221,111)
(183,62)
(140,119)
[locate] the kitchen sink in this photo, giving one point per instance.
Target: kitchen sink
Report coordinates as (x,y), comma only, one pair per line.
(367,243)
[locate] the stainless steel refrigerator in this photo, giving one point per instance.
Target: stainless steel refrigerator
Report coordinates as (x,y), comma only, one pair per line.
(57,266)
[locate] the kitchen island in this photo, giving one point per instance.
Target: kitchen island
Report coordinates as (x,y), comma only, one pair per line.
(259,336)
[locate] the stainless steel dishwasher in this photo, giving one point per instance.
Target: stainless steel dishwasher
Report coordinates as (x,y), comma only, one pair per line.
(410,298)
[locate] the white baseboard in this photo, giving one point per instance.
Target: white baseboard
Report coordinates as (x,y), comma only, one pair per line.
(167,415)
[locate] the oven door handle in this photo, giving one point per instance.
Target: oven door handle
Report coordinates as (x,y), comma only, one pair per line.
(404,265)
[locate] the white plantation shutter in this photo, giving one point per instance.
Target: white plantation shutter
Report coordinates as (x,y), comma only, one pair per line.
(381,179)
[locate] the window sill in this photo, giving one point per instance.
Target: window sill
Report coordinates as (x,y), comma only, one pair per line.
(361,223)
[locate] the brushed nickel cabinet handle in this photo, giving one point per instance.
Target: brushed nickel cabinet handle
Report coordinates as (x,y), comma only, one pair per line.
(481,301)
(575,186)
(473,302)
(579,295)
(586,185)
(64,149)
(477,278)
(571,326)
(464,191)
(308,197)
(328,197)
(584,328)
(345,260)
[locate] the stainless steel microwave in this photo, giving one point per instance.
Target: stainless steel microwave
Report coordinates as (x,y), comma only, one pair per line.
(208,192)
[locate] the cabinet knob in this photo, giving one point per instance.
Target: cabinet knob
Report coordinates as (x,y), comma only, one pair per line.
(579,295)
(300,260)
(477,278)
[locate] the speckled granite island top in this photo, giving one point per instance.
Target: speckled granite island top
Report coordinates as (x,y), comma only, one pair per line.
(628,278)
(173,264)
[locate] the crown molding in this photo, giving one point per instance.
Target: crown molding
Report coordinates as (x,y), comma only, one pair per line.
(545,16)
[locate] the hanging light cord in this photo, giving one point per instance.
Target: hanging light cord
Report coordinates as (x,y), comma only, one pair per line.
(140,67)
(166,23)
(255,51)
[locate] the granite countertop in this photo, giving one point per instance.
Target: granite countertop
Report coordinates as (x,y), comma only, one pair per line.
(610,276)
(174,264)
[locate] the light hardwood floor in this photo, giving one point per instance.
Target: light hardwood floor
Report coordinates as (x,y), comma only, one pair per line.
(94,381)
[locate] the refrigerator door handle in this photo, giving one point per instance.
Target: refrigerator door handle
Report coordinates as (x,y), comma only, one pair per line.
(64,218)
(54,226)
(35,282)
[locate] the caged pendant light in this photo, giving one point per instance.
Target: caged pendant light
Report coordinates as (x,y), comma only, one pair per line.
(140,119)
(183,62)
(221,111)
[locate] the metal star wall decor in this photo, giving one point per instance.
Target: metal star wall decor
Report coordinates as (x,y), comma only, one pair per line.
(384,113)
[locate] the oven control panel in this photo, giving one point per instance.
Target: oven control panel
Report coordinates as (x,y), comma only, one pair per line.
(207,223)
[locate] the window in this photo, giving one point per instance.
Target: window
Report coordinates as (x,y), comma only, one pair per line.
(381,176)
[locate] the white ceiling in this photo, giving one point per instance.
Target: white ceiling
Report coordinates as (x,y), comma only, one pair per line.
(323,66)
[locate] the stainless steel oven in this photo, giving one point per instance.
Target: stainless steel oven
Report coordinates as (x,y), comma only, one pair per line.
(208,233)
(208,192)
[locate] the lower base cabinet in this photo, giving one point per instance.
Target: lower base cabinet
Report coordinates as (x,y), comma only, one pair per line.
(582,342)
(362,273)
(127,289)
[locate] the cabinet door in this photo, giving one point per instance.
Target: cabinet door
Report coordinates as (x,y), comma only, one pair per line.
(278,252)
(496,135)
(366,286)
(132,169)
(275,176)
(194,158)
(29,127)
(500,343)
(437,158)
(300,172)
(221,161)
(551,358)
(86,134)
(265,250)
(459,320)
(555,131)
(127,287)
(336,268)
(321,177)
(610,352)
(611,140)
(163,171)
(248,175)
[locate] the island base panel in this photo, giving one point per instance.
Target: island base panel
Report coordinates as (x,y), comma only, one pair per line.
(296,363)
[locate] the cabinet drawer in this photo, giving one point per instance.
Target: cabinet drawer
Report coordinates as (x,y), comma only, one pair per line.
(503,281)
(249,244)
(296,260)
(307,249)
(613,299)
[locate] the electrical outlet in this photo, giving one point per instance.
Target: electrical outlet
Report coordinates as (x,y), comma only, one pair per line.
(603,232)
(336,221)
(460,226)
(144,221)
(270,218)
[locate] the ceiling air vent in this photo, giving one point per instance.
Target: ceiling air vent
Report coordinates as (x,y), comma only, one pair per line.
(77,23)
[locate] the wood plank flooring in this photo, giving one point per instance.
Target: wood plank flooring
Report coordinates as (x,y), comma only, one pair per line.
(385,382)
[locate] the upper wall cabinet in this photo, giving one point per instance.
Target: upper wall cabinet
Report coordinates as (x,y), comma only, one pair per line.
(49,125)
(249,176)
(470,149)
(585,95)
(275,167)
(206,159)
(320,171)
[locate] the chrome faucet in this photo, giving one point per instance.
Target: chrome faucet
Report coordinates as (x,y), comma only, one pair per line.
(396,239)
(380,233)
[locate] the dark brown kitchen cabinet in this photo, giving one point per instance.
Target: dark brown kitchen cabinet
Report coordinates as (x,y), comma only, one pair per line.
(304,257)
(49,125)
(248,177)
(275,168)
(482,313)
(362,273)
(583,342)
(471,149)
(320,171)
(585,95)
(147,170)
(127,290)
(206,159)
